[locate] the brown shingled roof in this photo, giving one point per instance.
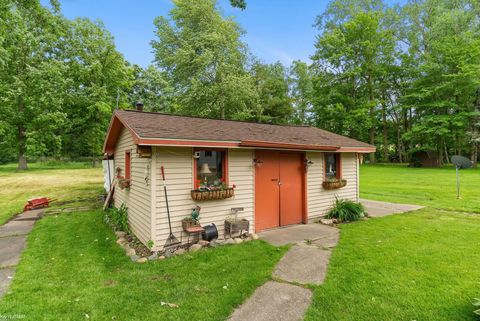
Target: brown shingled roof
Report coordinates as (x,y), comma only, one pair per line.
(163,129)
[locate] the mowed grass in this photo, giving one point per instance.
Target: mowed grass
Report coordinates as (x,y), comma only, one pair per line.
(434,187)
(72,184)
(72,269)
(421,265)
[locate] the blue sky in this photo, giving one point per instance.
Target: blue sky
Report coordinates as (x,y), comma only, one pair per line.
(276,30)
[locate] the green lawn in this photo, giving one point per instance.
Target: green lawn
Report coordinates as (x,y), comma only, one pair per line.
(434,187)
(73,268)
(73,184)
(417,266)
(421,265)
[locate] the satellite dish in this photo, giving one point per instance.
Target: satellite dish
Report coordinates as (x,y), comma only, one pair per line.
(460,162)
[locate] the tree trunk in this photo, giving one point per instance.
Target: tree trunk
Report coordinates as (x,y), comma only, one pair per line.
(446,152)
(372,142)
(475,155)
(385,135)
(22,159)
(22,138)
(399,145)
(475,131)
(372,117)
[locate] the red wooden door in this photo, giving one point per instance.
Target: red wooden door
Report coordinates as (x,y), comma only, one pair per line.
(278,189)
(267,194)
(291,188)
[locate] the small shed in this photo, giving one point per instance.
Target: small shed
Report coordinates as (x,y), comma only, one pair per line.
(425,158)
(277,175)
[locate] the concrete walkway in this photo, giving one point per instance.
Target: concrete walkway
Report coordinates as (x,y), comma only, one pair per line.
(12,242)
(305,263)
(380,209)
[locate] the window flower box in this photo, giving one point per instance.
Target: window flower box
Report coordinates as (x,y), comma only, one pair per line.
(212,194)
(334,183)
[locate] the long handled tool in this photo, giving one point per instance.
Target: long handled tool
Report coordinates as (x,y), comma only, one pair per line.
(172,242)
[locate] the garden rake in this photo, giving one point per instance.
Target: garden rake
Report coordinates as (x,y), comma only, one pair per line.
(172,242)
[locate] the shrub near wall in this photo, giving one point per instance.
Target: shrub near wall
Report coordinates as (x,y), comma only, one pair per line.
(346,211)
(118,218)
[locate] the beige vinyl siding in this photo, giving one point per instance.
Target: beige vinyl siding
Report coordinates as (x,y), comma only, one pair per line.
(320,200)
(138,197)
(178,163)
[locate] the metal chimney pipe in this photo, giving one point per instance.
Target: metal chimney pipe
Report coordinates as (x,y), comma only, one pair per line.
(139,106)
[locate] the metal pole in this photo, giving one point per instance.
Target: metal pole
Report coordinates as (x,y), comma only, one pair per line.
(458,183)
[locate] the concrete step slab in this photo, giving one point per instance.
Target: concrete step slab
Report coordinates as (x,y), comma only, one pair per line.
(296,233)
(13,228)
(10,250)
(380,209)
(327,241)
(274,301)
(303,264)
(6,276)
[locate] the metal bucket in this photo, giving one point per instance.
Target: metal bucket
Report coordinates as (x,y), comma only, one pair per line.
(210,232)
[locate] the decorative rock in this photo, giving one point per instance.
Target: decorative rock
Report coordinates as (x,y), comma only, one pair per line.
(179,252)
(153,257)
(131,252)
(167,254)
(142,260)
(203,242)
(326,221)
(121,241)
(238,240)
(161,257)
(120,234)
(254,236)
(229,241)
(195,247)
(134,258)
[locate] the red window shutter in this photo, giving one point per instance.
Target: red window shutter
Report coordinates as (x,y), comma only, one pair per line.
(127,165)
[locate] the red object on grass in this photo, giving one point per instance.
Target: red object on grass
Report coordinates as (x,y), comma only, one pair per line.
(36,203)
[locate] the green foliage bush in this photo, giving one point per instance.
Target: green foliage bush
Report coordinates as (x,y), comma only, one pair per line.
(118,218)
(346,210)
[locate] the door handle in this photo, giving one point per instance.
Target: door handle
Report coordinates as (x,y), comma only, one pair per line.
(274,179)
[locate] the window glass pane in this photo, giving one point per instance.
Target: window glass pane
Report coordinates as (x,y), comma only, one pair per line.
(210,169)
(331,165)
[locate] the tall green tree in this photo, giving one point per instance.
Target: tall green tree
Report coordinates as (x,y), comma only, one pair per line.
(354,52)
(301,91)
(32,77)
(271,82)
(203,57)
(100,78)
(444,46)
(151,87)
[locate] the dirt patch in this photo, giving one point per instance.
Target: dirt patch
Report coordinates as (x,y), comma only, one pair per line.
(140,249)
(109,283)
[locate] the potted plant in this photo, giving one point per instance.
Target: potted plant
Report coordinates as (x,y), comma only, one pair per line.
(192,220)
(121,180)
(334,183)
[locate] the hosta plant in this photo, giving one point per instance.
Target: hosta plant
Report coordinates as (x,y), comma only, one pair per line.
(346,210)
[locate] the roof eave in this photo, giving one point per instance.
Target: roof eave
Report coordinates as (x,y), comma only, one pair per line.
(113,133)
